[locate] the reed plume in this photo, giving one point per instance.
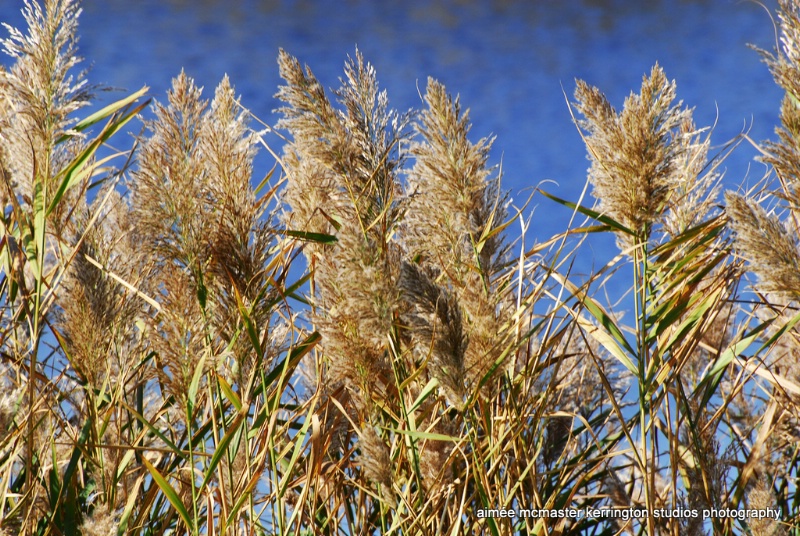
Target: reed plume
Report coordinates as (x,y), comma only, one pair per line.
(760,497)
(636,153)
(170,201)
(767,245)
(453,226)
(784,64)
(410,290)
(342,168)
(96,322)
(151,355)
(436,327)
(695,195)
(40,94)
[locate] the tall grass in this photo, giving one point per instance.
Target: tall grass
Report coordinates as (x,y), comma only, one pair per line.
(164,373)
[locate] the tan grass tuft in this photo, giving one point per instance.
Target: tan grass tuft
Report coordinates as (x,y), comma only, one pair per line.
(784,64)
(170,194)
(9,403)
(636,153)
(39,95)
(375,458)
(100,523)
(760,497)
(436,463)
(766,244)
(453,209)
(344,163)
(436,326)
(695,195)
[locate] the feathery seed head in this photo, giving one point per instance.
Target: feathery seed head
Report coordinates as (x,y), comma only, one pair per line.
(760,497)
(375,457)
(436,327)
(766,244)
(452,199)
(453,211)
(784,63)
(635,153)
(694,198)
(38,95)
(435,462)
(9,401)
(102,522)
(170,191)
(342,170)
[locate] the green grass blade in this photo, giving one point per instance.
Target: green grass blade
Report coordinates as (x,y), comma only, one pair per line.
(169,492)
(104,113)
(73,173)
(607,333)
(320,238)
(222,448)
(615,225)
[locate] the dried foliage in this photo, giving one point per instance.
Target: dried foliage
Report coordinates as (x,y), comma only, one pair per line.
(39,97)
(168,369)
(769,247)
(636,154)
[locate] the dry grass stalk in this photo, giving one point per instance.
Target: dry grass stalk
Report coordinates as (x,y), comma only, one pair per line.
(176,409)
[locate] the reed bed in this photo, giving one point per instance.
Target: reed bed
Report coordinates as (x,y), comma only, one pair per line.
(361,342)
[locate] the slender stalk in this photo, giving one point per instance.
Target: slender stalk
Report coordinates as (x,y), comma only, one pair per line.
(641,301)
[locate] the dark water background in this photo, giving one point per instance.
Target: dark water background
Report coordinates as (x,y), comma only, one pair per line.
(512,62)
